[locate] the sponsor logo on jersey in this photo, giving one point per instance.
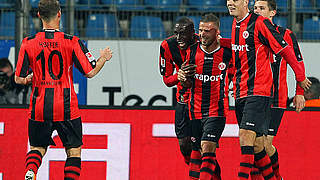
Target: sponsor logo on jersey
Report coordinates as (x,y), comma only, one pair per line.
(222,66)
(206,78)
(240,47)
(245,34)
(90,56)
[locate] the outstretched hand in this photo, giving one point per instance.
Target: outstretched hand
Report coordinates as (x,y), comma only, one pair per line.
(106,53)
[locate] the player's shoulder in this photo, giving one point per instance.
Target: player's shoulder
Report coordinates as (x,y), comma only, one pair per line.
(169,42)
(67,36)
(30,37)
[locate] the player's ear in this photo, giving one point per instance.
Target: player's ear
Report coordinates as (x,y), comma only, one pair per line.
(59,14)
(246,2)
(273,13)
(38,14)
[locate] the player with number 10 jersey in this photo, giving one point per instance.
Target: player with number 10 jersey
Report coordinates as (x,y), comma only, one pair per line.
(51,55)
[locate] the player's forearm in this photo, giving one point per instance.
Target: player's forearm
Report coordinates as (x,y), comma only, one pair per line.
(21,80)
(100,63)
(171,80)
(299,90)
(299,71)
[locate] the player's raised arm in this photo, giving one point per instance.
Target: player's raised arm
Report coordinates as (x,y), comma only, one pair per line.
(105,55)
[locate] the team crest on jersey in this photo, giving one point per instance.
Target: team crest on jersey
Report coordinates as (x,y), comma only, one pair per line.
(245,34)
(90,56)
(222,66)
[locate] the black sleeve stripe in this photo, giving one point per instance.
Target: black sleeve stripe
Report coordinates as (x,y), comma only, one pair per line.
(77,63)
(31,37)
(282,31)
(263,39)
(296,47)
(25,65)
(175,51)
(83,47)
(162,66)
(68,36)
(275,34)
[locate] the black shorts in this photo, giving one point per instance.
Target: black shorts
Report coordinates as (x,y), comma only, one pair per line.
(253,113)
(276,116)
(207,129)
(70,133)
(182,121)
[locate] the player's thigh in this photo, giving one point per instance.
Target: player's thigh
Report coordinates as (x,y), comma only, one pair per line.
(70,132)
(40,133)
(213,128)
(256,114)
(275,120)
(182,121)
(239,106)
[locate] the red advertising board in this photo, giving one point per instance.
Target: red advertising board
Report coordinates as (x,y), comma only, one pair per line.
(138,144)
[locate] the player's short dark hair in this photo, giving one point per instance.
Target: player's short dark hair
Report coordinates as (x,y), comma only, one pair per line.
(4,62)
(186,21)
(48,9)
(272,4)
(315,91)
(210,18)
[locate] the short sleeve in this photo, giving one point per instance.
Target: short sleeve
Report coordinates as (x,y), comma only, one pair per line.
(23,61)
(82,57)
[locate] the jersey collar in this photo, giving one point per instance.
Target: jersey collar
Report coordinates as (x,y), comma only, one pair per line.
(244,17)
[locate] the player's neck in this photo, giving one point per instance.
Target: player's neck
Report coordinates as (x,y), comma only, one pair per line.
(211,48)
(243,15)
(50,25)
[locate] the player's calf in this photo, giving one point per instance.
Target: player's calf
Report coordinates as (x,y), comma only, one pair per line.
(33,162)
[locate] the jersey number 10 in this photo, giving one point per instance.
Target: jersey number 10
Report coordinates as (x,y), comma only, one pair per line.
(43,64)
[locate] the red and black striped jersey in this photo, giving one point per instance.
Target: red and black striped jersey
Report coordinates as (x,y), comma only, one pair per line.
(251,39)
(50,54)
(170,61)
(279,69)
(209,90)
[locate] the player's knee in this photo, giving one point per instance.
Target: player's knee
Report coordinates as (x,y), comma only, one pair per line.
(208,146)
(73,151)
(42,150)
(259,144)
(185,146)
(247,137)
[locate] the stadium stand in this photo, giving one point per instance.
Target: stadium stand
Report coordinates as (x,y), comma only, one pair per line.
(147,27)
(164,5)
(226,26)
(208,5)
(103,26)
(311,29)
(281,21)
